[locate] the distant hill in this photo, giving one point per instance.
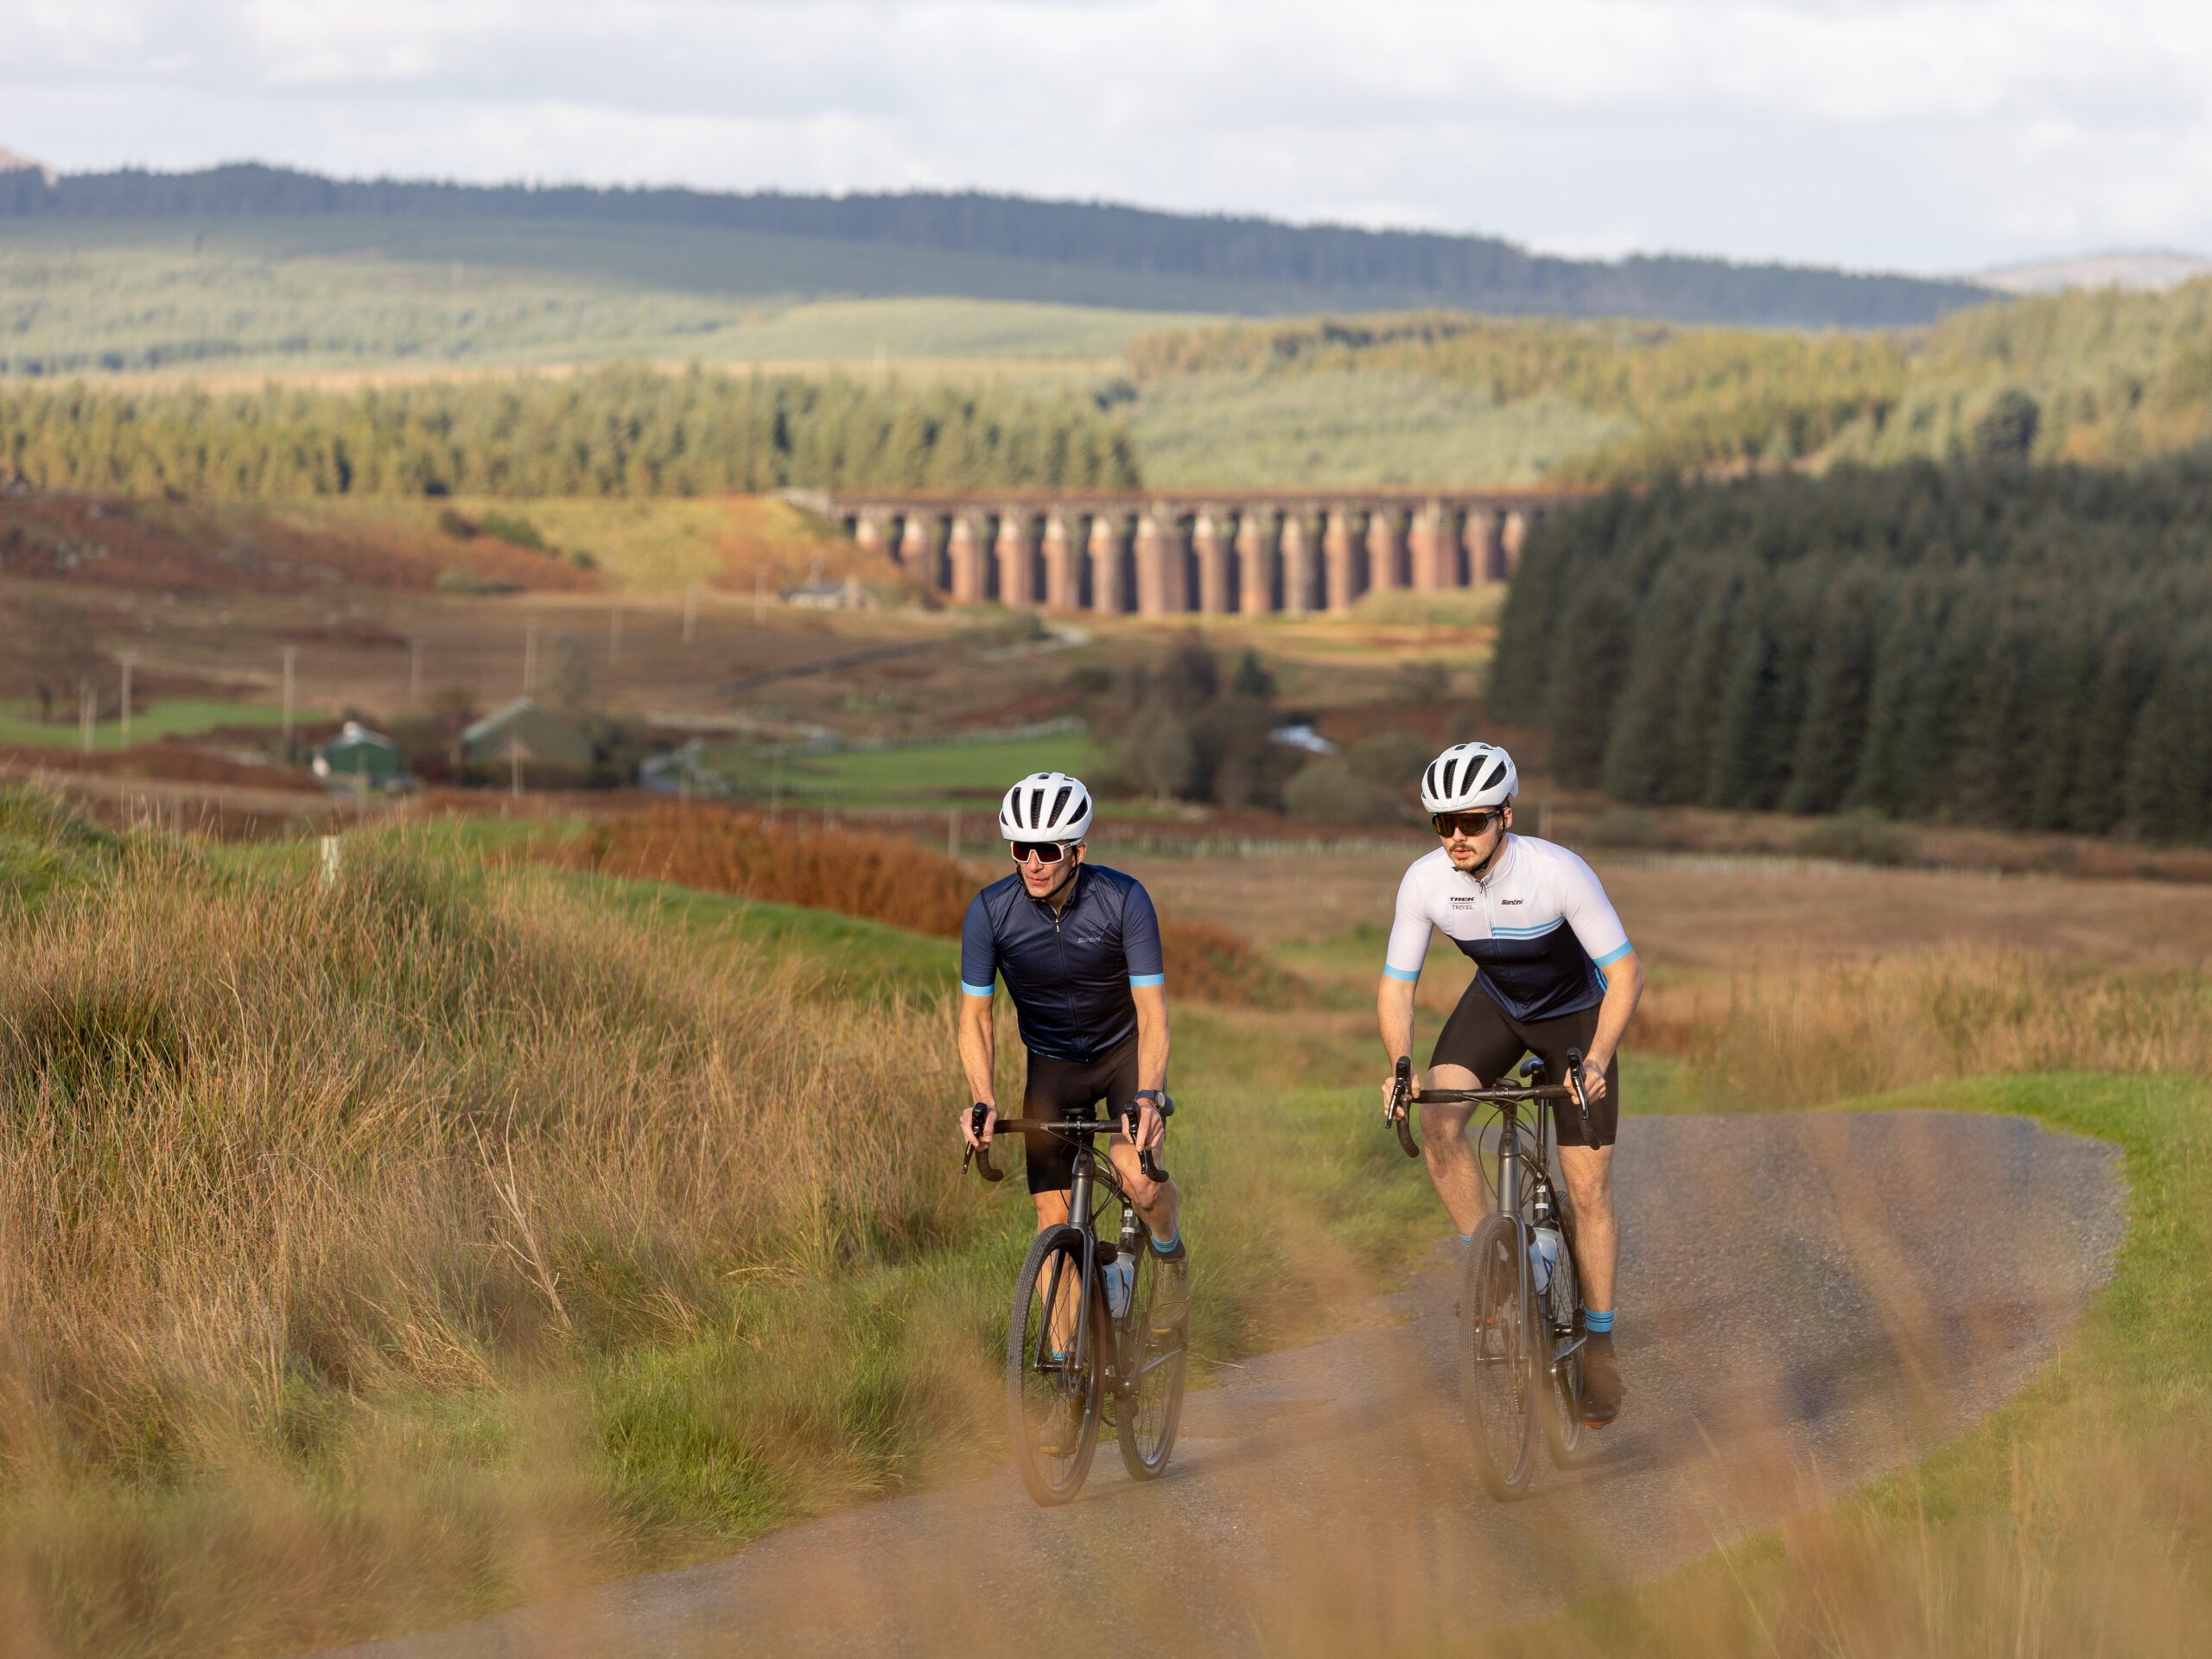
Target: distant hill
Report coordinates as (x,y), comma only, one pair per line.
(2149,271)
(1003,247)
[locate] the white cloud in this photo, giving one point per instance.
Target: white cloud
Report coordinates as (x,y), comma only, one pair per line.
(1865,132)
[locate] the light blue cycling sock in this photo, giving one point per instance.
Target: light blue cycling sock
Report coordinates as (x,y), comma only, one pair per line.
(1169,1248)
(1598,1323)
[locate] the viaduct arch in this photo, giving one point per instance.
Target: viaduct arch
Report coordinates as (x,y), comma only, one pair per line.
(1210,553)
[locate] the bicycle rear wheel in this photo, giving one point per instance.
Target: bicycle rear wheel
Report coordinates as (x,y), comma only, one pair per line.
(1150,1407)
(1054,1384)
(1497,1357)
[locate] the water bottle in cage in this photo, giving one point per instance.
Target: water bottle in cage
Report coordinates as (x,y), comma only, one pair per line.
(1122,1272)
(1543,1256)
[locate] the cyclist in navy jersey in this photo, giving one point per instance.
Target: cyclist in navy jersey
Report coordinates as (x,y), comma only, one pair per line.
(1554,971)
(1078,947)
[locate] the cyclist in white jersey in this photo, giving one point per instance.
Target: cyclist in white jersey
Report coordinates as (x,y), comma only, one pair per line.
(1553,971)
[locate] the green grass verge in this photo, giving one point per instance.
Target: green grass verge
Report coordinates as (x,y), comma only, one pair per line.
(182,718)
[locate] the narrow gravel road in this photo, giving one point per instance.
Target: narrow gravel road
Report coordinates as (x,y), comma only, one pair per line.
(1808,1302)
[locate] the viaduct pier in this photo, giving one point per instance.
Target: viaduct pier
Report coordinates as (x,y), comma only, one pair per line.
(1193,552)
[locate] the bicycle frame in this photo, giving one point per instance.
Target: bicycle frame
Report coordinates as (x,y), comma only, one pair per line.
(1090,1172)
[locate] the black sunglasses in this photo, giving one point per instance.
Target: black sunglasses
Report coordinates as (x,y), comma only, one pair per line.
(1469,824)
(1044,852)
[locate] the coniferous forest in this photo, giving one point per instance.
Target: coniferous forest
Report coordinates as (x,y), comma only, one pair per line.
(617,432)
(1998,644)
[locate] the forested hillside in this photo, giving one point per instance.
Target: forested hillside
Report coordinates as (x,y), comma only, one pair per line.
(1990,643)
(1177,261)
(620,432)
(2102,376)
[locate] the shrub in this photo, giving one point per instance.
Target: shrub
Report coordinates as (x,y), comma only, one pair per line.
(1625,826)
(882,877)
(1328,791)
(516,532)
(1859,838)
(467,581)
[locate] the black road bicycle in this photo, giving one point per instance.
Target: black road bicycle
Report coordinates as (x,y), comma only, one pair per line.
(1520,1346)
(1081,1344)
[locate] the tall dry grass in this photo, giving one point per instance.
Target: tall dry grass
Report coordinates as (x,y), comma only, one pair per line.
(1830,1031)
(282,1168)
(883,878)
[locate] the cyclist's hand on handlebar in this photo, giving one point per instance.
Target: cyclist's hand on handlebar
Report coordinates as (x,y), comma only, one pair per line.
(1593,1080)
(1148,1127)
(1395,1105)
(968,1123)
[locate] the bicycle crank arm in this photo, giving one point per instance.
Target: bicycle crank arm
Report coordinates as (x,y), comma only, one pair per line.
(1565,1354)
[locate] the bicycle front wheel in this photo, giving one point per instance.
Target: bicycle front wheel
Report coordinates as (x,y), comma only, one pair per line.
(1150,1407)
(1499,1360)
(1564,1434)
(1055,1381)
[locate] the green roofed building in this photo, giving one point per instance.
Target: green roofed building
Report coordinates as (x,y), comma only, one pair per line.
(360,759)
(522,731)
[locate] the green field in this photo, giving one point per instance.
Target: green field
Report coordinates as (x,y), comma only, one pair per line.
(924,774)
(182,718)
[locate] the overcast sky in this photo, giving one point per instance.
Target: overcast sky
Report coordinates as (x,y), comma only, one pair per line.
(1856,133)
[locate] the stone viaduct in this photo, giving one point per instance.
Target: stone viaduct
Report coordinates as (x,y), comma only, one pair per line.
(1212,553)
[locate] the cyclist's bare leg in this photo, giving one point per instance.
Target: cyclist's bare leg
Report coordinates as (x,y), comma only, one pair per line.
(1589,1172)
(1052,1209)
(1444,1148)
(1159,1205)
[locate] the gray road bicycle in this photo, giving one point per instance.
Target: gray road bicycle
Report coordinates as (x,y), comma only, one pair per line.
(1082,1346)
(1519,1340)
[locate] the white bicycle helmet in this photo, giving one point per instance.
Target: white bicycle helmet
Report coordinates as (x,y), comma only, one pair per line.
(1045,806)
(1467,777)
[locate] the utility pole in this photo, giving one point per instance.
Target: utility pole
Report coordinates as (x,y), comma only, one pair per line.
(690,612)
(87,710)
(514,764)
(129,659)
(613,635)
(529,655)
(291,660)
(415,673)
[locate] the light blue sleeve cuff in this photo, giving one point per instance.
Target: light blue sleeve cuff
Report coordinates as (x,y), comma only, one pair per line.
(975,990)
(1147,979)
(1612,956)
(1409,975)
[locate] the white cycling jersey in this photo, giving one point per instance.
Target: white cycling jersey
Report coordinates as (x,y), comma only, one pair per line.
(1539,926)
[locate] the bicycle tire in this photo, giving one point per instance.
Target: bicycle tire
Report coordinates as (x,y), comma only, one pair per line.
(1566,1436)
(1150,1409)
(1034,1393)
(1497,1364)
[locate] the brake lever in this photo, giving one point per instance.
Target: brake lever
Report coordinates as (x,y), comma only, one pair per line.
(1401,1105)
(1146,1161)
(1581,1100)
(978,1155)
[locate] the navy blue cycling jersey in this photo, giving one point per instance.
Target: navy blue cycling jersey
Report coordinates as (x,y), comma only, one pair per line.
(1068,971)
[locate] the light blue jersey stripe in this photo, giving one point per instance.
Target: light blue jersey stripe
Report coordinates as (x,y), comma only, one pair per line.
(1147,979)
(975,990)
(1612,956)
(1410,975)
(1528,932)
